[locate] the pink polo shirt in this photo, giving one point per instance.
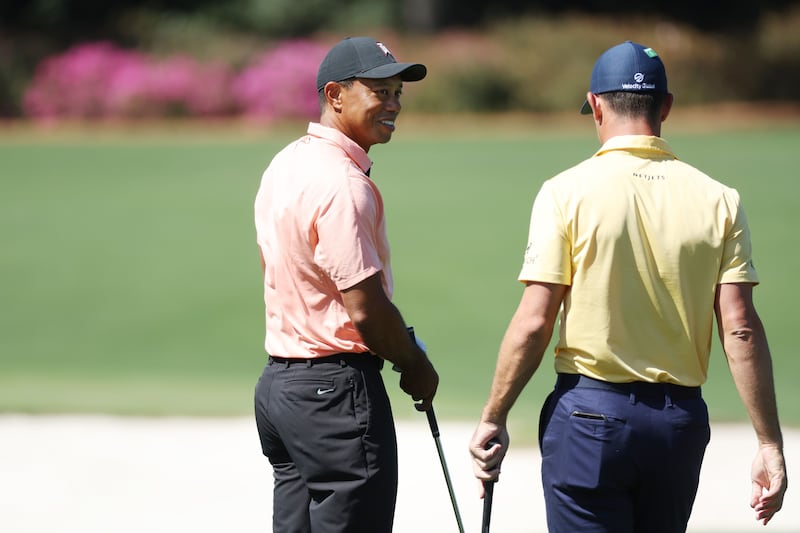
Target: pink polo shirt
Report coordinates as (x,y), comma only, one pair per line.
(321,229)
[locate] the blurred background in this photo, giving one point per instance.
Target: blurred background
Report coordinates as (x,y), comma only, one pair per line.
(133,135)
(101,59)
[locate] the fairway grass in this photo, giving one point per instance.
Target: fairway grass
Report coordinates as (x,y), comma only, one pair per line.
(131,282)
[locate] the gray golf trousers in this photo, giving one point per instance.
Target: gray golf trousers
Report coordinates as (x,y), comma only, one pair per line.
(326,427)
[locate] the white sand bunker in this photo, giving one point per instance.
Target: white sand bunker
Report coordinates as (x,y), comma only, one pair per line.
(93,474)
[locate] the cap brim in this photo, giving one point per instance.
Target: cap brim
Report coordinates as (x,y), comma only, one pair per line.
(407,71)
(586,109)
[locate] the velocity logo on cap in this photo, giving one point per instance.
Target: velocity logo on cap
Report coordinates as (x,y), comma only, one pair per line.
(627,67)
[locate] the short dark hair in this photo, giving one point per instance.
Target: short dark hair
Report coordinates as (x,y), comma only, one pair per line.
(646,104)
(321,95)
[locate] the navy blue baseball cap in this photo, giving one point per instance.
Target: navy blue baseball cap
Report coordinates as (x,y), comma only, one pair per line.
(627,67)
(364,57)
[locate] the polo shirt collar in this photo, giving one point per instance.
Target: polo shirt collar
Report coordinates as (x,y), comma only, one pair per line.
(637,143)
(351,148)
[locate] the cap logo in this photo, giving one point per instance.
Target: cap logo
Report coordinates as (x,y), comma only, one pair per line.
(650,52)
(384,49)
(638,77)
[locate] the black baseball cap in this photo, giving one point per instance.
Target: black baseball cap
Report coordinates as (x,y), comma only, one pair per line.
(627,67)
(364,57)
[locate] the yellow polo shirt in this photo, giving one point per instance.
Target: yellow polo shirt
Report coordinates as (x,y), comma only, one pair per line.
(642,239)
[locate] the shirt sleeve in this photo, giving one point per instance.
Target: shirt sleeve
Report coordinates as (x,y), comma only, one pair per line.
(347,227)
(737,254)
(547,256)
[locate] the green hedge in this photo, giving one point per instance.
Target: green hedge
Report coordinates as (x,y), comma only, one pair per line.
(544,64)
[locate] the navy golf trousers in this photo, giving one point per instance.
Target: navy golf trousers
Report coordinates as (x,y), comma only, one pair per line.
(621,458)
(326,426)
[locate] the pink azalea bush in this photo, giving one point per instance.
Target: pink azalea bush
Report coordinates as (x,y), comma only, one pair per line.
(88,81)
(181,84)
(281,83)
(99,80)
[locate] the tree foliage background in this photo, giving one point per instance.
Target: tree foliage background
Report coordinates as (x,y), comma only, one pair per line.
(232,30)
(64,21)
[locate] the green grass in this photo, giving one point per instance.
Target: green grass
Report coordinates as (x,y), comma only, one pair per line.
(130,280)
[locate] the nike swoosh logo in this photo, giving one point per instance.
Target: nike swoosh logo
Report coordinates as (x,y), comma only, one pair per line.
(320,391)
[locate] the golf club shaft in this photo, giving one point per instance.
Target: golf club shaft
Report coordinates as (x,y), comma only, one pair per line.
(435,432)
(488,493)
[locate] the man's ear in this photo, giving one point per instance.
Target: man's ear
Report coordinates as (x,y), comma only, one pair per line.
(667,106)
(597,107)
(333,95)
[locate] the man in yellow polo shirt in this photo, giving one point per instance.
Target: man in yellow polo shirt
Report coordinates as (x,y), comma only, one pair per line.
(322,412)
(638,251)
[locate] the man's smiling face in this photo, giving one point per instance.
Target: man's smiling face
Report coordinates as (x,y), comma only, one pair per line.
(369,108)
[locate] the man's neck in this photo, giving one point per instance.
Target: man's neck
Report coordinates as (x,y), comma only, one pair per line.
(617,126)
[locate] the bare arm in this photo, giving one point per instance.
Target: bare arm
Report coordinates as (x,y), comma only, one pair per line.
(745,344)
(382,327)
(520,354)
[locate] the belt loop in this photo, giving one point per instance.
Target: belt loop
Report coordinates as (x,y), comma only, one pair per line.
(668,396)
(309,362)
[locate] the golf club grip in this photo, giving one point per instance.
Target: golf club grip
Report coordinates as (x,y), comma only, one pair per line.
(432,421)
(488,493)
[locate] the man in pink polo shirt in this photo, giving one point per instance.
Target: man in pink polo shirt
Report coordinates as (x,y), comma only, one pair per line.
(322,411)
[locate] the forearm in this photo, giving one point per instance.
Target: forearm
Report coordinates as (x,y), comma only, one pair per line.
(380,323)
(385,333)
(517,361)
(751,367)
(520,354)
(745,344)
(383,330)
(522,348)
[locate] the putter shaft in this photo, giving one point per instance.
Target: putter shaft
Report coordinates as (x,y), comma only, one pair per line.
(435,432)
(488,493)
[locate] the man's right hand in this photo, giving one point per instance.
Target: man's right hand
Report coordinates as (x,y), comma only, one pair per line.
(488,447)
(420,381)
